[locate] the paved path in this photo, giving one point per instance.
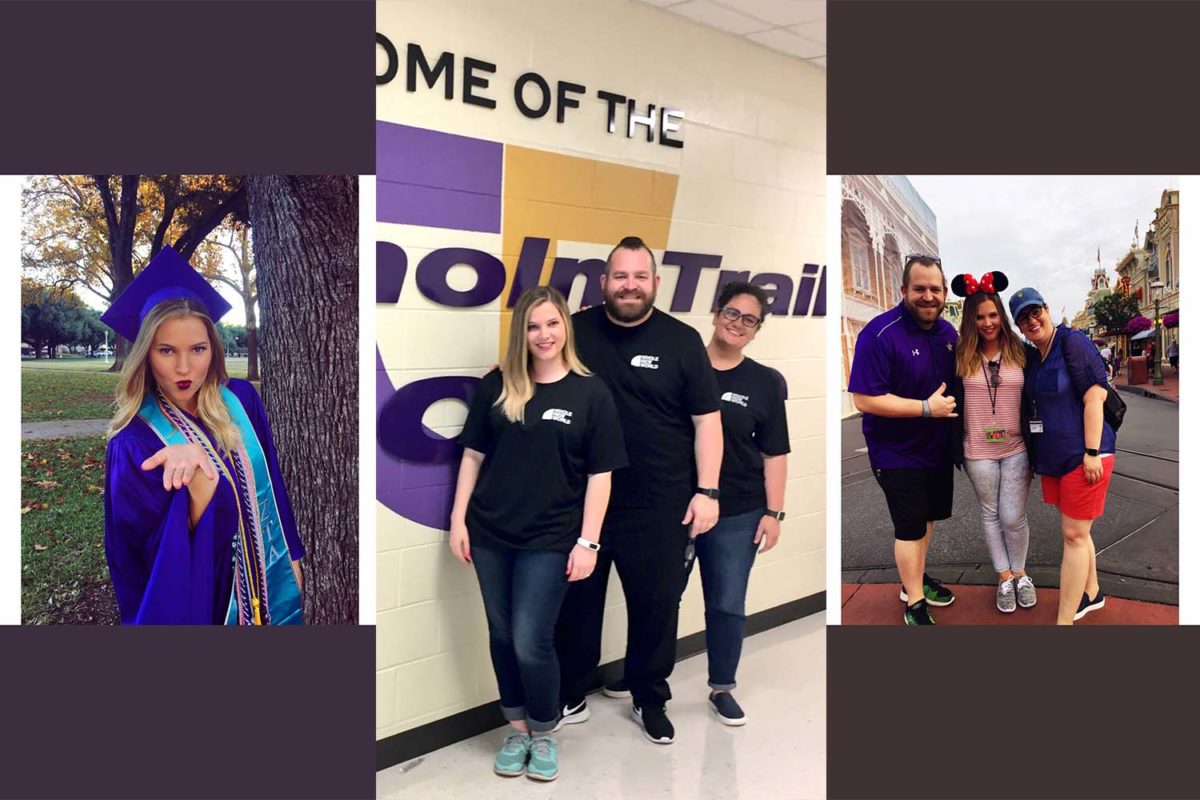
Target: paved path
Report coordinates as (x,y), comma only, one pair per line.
(63,428)
(1168,391)
(879,604)
(1137,539)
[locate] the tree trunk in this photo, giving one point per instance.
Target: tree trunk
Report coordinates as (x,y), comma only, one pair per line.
(250,298)
(306,252)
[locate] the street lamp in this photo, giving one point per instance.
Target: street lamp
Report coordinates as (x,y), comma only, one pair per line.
(1157,288)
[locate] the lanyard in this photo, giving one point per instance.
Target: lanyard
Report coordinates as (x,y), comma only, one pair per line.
(993,389)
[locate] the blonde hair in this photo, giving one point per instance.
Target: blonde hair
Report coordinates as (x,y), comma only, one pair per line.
(968,359)
(518,386)
(137,379)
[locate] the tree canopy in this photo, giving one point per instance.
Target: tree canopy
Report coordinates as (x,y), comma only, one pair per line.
(1113,311)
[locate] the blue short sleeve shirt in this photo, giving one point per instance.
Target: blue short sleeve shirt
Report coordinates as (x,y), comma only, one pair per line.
(1058,385)
(894,355)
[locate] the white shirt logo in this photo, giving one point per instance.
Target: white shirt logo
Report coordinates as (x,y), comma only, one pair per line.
(950,346)
(742,400)
(558,415)
(916,352)
(645,362)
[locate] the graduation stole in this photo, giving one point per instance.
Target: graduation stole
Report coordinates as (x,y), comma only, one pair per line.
(265,591)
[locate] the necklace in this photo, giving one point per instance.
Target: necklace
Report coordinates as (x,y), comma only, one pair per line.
(992,369)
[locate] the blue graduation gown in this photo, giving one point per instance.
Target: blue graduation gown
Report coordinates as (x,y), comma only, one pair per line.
(164,573)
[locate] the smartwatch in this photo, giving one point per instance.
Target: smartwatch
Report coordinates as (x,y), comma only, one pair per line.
(1091,451)
(779,515)
(590,545)
(713,493)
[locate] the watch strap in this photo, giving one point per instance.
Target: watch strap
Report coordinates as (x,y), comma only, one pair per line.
(587,543)
(715,494)
(779,515)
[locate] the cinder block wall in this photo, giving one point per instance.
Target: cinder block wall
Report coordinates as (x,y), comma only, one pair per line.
(748,185)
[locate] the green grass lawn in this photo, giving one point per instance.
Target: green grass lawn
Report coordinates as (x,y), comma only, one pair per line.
(76,388)
(64,576)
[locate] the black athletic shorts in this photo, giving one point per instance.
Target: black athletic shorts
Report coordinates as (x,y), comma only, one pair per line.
(917,496)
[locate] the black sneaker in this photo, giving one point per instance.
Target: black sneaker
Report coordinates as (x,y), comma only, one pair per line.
(1088,605)
(728,710)
(918,614)
(655,724)
(618,689)
(572,714)
(935,593)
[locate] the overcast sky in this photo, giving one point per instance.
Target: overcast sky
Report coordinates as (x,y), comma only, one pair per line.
(1040,230)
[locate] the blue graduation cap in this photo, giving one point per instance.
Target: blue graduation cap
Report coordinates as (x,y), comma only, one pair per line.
(166,277)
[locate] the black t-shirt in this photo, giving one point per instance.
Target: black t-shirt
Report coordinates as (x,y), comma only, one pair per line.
(531,485)
(660,378)
(754,422)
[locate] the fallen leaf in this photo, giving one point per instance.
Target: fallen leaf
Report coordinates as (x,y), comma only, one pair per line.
(47,484)
(40,547)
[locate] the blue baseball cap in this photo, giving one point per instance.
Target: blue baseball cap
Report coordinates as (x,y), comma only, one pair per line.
(168,276)
(1023,299)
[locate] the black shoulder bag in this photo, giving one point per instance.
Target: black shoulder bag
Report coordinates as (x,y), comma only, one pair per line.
(1114,406)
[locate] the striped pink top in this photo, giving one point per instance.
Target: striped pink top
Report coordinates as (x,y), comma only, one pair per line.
(988,434)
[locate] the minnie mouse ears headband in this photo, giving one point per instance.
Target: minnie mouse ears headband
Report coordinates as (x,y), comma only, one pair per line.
(992,282)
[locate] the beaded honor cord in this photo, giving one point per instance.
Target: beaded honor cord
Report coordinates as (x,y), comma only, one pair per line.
(251,589)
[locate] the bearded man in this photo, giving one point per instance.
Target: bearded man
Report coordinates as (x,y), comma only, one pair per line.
(668,402)
(903,362)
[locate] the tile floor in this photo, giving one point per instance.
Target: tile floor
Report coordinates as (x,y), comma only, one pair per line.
(778,755)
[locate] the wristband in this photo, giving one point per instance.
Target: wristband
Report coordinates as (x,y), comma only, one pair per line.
(925,412)
(715,494)
(1091,451)
(582,542)
(776,514)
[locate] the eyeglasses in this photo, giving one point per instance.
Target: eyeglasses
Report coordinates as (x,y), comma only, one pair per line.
(921,257)
(733,315)
(1028,314)
(994,369)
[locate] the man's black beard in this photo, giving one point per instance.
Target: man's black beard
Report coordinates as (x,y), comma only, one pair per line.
(914,310)
(614,310)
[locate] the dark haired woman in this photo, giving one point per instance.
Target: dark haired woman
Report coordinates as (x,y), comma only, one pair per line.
(753,477)
(1074,450)
(990,445)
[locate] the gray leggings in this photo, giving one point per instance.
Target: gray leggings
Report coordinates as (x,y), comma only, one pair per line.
(1002,487)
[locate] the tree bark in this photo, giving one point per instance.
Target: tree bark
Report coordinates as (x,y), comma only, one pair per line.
(306,254)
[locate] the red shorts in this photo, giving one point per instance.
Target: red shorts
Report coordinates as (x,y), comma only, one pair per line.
(1074,496)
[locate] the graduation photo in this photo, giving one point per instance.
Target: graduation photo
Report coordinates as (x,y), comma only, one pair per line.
(181,464)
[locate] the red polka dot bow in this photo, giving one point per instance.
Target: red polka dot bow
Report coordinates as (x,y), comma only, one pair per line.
(986,283)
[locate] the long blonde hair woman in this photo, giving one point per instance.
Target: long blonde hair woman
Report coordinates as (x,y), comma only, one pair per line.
(518,359)
(540,442)
(198,527)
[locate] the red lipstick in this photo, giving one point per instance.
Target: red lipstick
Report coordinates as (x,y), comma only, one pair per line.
(183,386)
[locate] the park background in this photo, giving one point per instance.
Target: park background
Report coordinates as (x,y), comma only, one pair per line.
(747,185)
(84,238)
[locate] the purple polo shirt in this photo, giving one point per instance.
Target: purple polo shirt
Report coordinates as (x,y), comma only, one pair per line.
(894,355)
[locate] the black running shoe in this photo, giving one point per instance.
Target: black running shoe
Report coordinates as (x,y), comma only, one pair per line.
(1087,605)
(655,724)
(618,689)
(935,593)
(573,713)
(726,708)
(918,614)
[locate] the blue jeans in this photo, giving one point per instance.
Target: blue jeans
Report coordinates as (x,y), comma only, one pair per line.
(726,554)
(522,593)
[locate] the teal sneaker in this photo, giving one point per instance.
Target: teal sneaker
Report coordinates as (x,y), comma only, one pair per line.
(935,593)
(543,758)
(510,761)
